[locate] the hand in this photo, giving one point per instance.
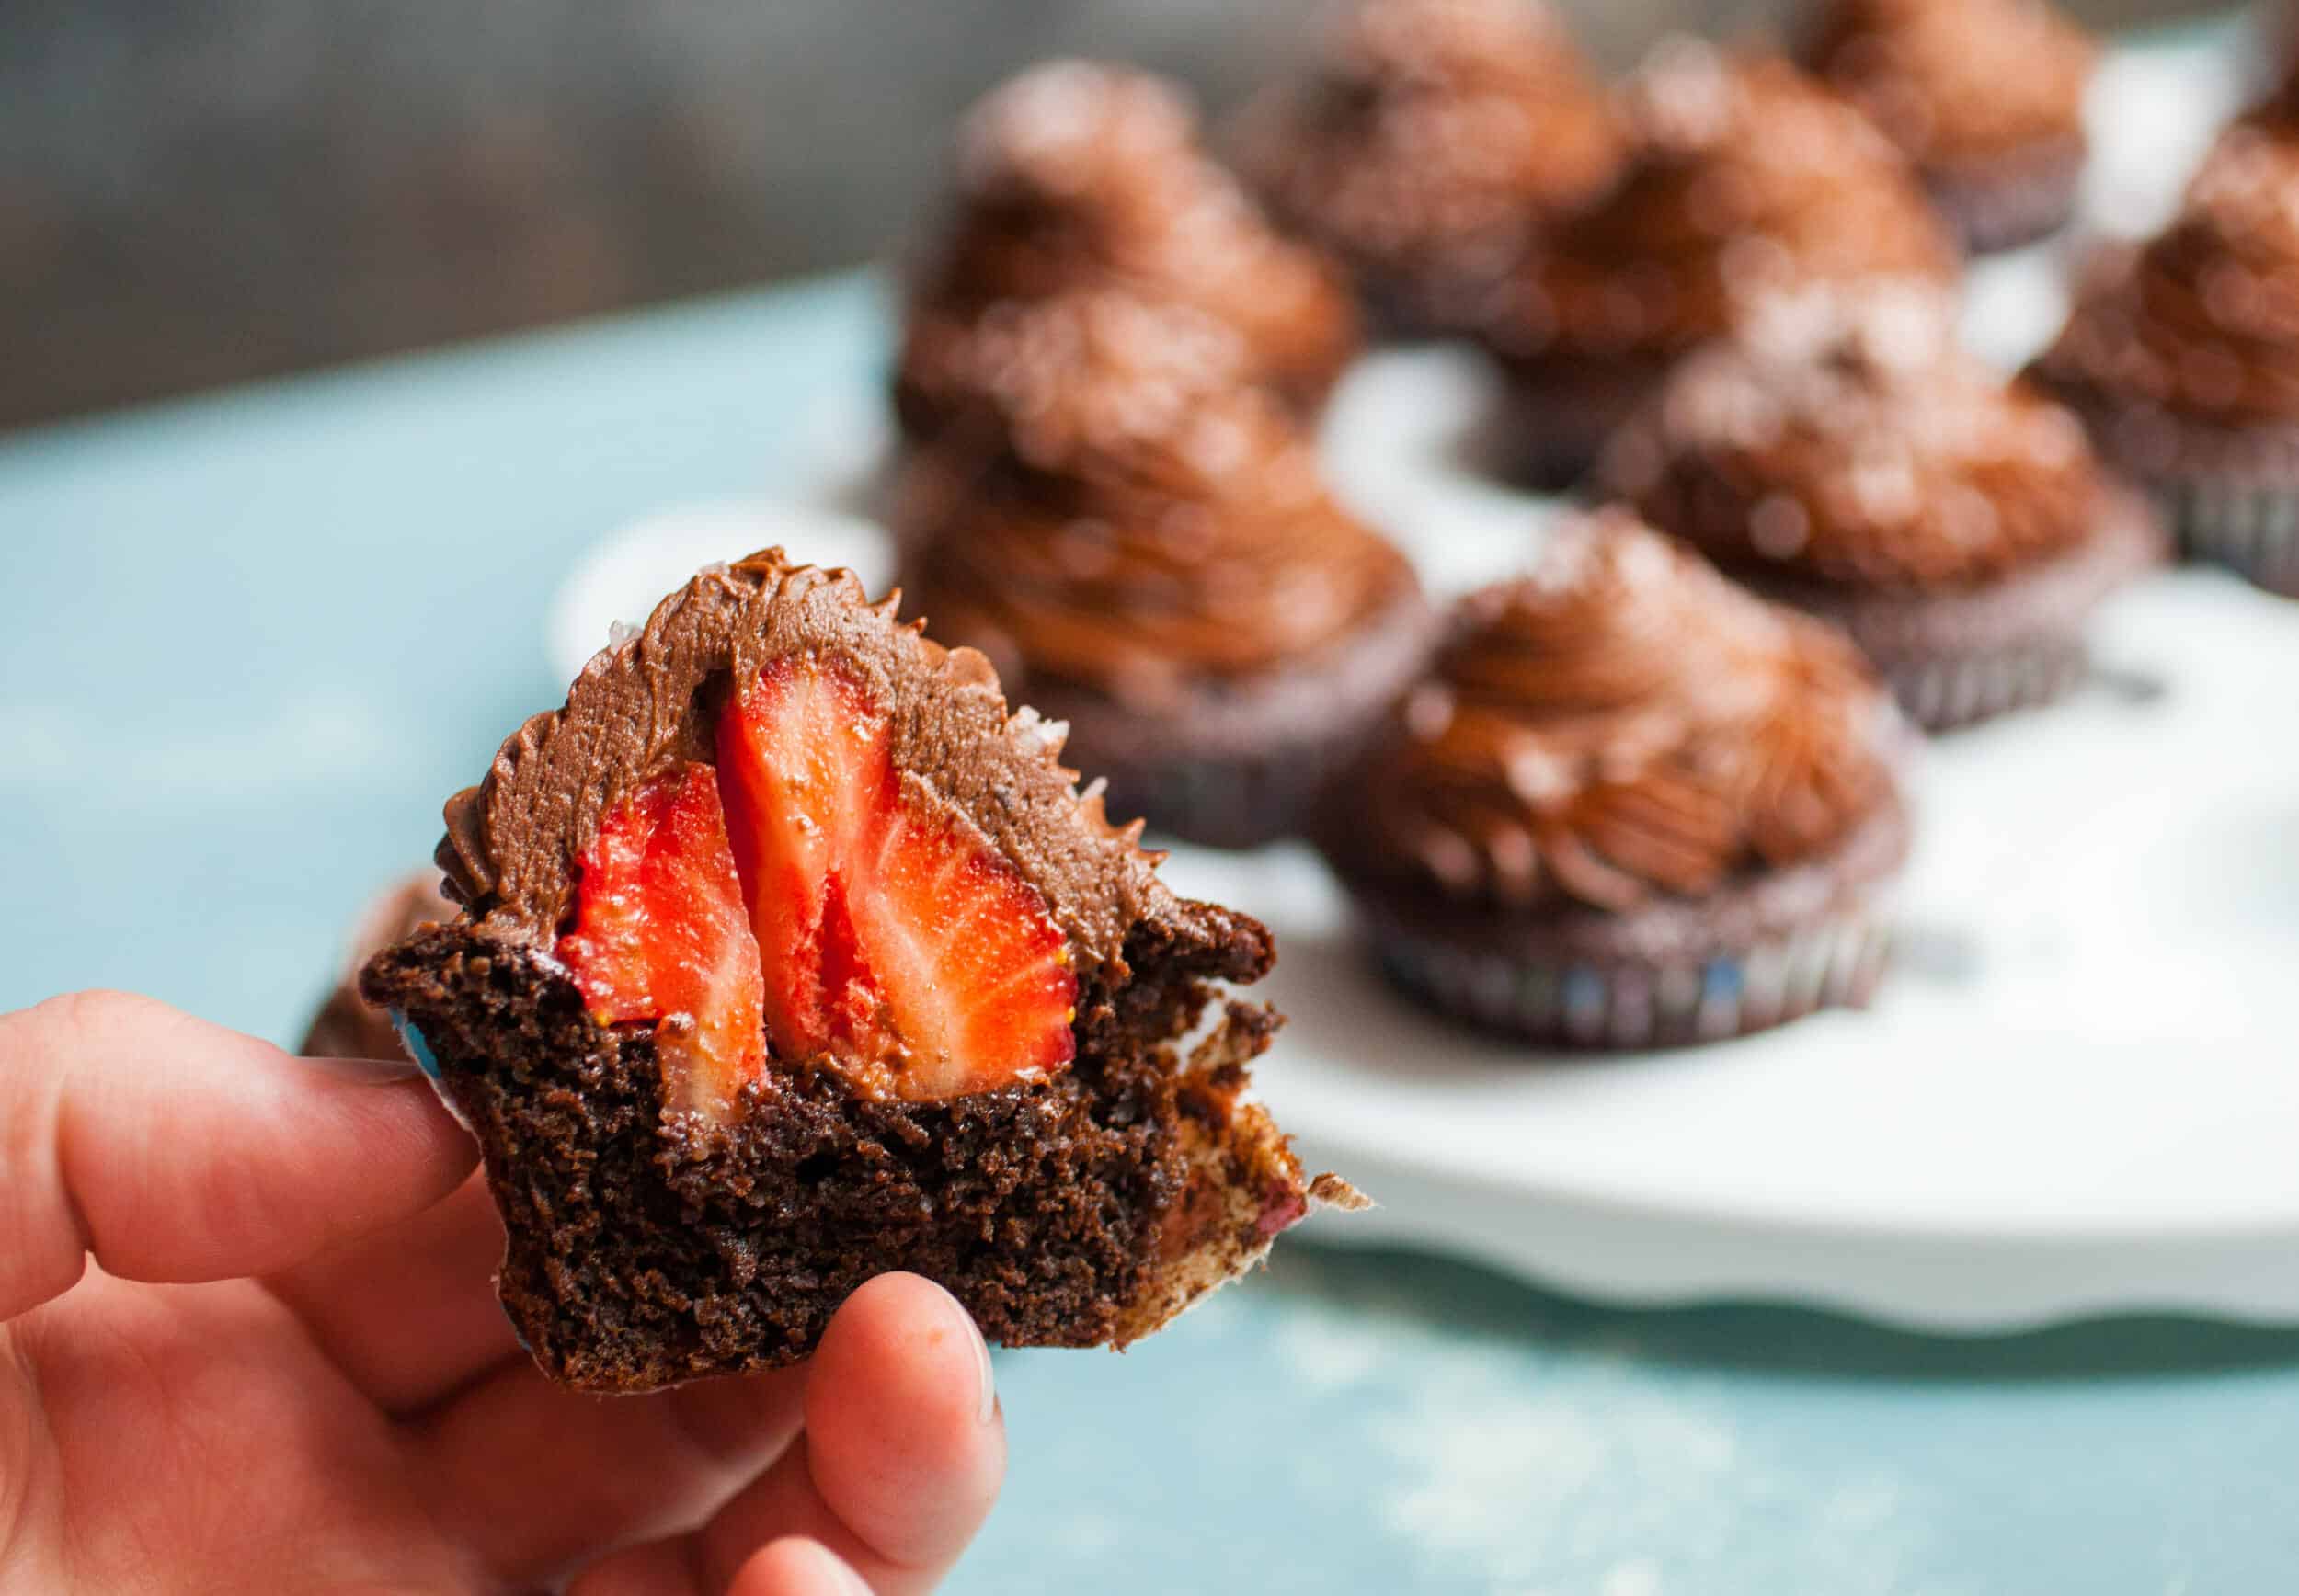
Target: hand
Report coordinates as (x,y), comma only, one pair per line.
(247,1341)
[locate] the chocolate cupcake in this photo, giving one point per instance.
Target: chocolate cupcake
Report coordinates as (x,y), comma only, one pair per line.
(1431,139)
(2182,356)
(1149,554)
(1840,454)
(1745,177)
(1631,805)
(1986,97)
(1077,176)
(787,957)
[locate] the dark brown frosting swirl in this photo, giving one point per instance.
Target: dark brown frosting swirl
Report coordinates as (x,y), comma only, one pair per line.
(1958,84)
(1847,439)
(2203,322)
(647,702)
(1076,174)
(1148,521)
(1430,139)
(1745,177)
(1623,724)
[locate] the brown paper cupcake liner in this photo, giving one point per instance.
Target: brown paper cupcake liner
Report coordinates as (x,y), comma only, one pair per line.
(2250,528)
(1832,964)
(1236,801)
(1942,694)
(2017,202)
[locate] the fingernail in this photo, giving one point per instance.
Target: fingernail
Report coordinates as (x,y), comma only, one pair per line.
(367,1071)
(985,1407)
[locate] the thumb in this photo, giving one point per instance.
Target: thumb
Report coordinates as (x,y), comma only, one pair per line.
(171,1149)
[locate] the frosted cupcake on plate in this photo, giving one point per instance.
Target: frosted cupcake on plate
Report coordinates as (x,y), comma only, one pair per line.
(1142,544)
(1986,97)
(1841,453)
(1745,177)
(1076,174)
(1630,804)
(2182,356)
(1428,142)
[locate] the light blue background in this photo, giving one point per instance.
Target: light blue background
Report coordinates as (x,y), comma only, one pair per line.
(253,640)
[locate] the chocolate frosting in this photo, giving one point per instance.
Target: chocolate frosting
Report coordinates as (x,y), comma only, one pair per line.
(1075,175)
(1745,178)
(649,701)
(1430,137)
(1147,523)
(2203,322)
(1844,437)
(1958,84)
(1621,727)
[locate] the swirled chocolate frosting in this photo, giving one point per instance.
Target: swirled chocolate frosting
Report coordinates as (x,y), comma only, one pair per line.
(1148,521)
(2203,322)
(1624,725)
(1430,138)
(1076,174)
(1958,84)
(1745,177)
(1845,438)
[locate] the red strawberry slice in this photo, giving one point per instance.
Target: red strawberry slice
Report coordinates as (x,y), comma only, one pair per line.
(661,933)
(899,946)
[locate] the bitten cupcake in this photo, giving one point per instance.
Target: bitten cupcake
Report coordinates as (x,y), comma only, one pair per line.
(1986,97)
(1745,177)
(2183,356)
(1842,454)
(1630,806)
(1428,142)
(1148,554)
(1074,175)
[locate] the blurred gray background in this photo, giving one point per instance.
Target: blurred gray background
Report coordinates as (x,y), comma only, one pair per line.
(201,191)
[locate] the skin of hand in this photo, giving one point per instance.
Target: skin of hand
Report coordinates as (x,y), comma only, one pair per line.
(248,1342)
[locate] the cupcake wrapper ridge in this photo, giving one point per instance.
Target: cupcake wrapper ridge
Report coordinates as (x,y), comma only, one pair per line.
(2250,528)
(1961,690)
(1831,965)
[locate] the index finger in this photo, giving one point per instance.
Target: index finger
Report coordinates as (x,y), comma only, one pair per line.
(171,1149)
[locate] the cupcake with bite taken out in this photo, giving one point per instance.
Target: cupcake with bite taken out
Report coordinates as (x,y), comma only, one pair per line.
(2182,355)
(1075,176)
(1986,97)
(1745,177)
(1629,804)
(1431,140)
(1840,454)
(1144,546)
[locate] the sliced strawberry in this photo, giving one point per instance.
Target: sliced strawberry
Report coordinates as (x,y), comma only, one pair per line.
(804,753)
(661,933)
(898,945)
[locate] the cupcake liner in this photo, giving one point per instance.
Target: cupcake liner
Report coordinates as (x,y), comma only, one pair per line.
(1834,963)
(2017,202)
(2250,528)
(1233,801)
(1942,694)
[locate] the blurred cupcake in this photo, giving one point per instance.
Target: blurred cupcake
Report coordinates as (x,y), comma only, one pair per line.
(1147,553)
(1842,454)
(1630,806)
(2183,356)
(1074,175)
(1432,137)
(348,1025)
(1986,97)
(1745,177)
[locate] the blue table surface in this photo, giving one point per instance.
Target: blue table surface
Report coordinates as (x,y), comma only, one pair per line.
(258,637)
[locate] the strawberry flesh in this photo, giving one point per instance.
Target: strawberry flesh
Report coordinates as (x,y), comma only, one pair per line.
(661,933)
(898,946)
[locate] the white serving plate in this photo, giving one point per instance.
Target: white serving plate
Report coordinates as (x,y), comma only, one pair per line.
(2078,1092)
